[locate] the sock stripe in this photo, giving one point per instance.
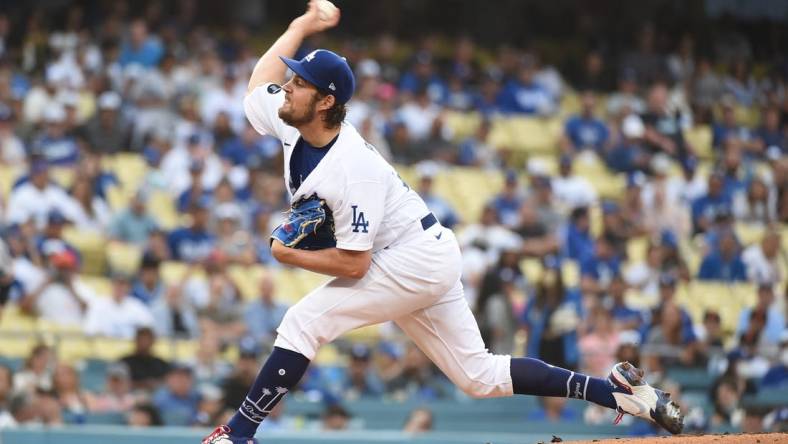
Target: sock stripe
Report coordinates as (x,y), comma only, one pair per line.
(247,417)
(568,380)
(585,387)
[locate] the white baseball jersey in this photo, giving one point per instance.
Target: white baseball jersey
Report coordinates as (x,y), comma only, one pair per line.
(370,203)
(414,277)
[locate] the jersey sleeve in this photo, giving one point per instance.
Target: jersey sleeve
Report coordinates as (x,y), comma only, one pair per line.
(359,215)
(262,109)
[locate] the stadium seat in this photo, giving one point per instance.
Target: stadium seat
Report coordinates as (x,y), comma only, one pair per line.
(162,207)
(63,176)
(462,124)
(749,234)
(100,285)
(699,137)
(690,378)
(13,320)
(91,247)
(247,279)
(123,257)
(110,349)
(8,175)
(130,168)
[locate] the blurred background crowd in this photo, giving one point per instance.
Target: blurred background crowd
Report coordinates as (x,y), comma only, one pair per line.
(631,204)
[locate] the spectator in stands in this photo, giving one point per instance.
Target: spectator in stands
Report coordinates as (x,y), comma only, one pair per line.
(87,211)
(664,127)
(66,385)
(543,200)
(616,227)
(36,198)
(117,395)
(437,205)
(173,315)
(141,47)
(217,299)
(264,314)
(209,366)
(50,240)
(774,320)
(196,190)
(598,347)
(335,418)
(585,130)
(771,133)
(645,60)
(594,74)
(740,83)
(147,370)
(211,406)
(120,315)
(628,154)
(250,149)
(107,131)
(62,298)
(12,148)
(538,237)
(706,208)
(645,275)
(193,243)
(507,203)
(144,414)
(725,263)
(53,144)
(577,240)
(178,399)
(705,88)
(134,224)
(572,190)
(762,259)
(495,311)
(710,332)
(669,342)
(726,398)
(360,380)
(237,384)
(36,373)
(757,205)
(232,239)
(728,127)
(419,420)
(423,77)
(551,318)
(524,95)
(624,317)
(777,375)
(625,99)
(475,151)
(662,205)
(148,286)
(598,268)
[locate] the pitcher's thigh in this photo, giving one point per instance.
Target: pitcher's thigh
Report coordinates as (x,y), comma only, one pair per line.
(448,334)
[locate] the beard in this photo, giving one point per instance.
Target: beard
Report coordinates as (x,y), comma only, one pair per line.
(291,118)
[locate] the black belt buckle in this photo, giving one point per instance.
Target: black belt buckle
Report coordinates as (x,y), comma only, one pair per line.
(428,221)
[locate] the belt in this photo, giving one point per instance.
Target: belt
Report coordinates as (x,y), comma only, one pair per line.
(428,221)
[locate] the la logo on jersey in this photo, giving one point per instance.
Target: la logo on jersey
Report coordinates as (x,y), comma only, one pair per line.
(358,220)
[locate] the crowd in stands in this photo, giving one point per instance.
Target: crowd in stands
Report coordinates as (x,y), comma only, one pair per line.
(73,97)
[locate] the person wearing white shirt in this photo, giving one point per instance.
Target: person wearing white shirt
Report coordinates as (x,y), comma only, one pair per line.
(36,198)
(119,316)
(762,259)
(62,298)
(572,191)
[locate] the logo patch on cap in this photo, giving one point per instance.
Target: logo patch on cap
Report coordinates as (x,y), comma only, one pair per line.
(332,87)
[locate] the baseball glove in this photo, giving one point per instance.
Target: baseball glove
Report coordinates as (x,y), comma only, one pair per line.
(309,225)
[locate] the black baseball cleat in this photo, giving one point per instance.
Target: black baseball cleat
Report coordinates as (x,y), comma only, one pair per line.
(221,435)
(637,398)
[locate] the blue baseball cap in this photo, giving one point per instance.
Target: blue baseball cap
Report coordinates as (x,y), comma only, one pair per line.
(328,71)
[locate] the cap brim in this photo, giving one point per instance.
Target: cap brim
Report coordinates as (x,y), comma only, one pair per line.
(298,68)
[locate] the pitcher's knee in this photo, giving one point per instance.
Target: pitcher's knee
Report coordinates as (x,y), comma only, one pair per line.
(476,389)
(294,335)
(487,377)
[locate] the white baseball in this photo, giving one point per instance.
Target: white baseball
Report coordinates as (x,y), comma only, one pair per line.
(326,10)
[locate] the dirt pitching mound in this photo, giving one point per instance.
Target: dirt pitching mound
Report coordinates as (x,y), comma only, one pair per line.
(761,438)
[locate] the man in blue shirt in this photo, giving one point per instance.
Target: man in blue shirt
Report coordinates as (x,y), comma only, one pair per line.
(724,263)
(263,315)
(422,76)
(775,321)
(507,203)
(524,95)
(193,243)
(578,242)
(141,48)
(625,317)
(439,207)
(597,270)
(706,208)
(178,400)
(585,130)
(250,149)
(54,144)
